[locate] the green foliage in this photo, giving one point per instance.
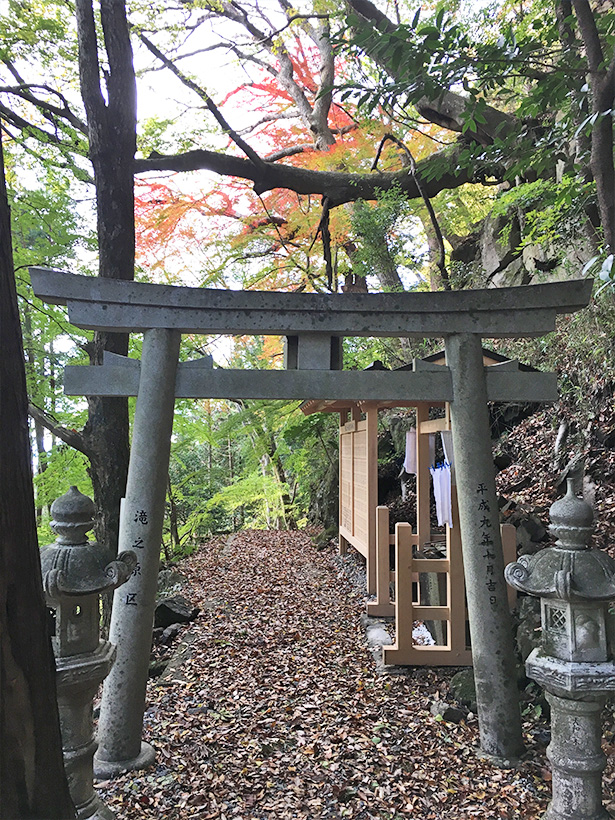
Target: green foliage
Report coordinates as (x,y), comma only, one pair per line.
(553,212)
(581,351)
(63,467)
(256,495)
(513,61)
(387,231)
(254,464)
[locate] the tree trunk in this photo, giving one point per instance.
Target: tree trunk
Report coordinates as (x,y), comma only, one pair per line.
(280,474)
(112,146)
(173,522)
(35,376)
(32,779)
(602,85)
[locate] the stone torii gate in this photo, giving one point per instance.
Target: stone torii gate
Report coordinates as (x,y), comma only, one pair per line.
(314,325)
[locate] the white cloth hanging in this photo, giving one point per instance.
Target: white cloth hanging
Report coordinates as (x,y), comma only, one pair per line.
(441,477)
(432,449)
(410,458)
(449,456)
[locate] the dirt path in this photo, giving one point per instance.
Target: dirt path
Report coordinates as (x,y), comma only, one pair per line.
(280,713)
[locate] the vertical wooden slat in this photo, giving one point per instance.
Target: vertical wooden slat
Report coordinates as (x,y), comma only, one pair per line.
(343,544)
(403,597)
(423,477)
(371,433)
(382,606)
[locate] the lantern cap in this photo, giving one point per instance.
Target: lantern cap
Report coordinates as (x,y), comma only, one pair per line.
(72,565)
(570,570)
(72,517)
(571,520)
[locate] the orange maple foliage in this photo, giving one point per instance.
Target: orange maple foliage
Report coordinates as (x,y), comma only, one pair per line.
(279,227)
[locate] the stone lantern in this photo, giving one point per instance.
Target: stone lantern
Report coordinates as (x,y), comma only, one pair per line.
(75,572)
(575,660)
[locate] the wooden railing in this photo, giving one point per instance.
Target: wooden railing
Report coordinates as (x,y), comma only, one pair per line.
(448,614)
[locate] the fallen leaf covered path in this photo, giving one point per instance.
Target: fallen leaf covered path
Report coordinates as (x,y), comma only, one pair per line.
(279,711)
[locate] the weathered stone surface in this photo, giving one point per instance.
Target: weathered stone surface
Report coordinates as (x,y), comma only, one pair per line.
(169,634)
(463,688)
(479,521)
(529,631)
(75,571)
(170,582)
(574,661)
(499,242)
(530,529)
(173,672)
(377,635)
(323,384)
(141,518)
(132,306)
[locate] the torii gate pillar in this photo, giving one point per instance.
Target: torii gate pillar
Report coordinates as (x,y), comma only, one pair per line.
(141,518)
(479,523)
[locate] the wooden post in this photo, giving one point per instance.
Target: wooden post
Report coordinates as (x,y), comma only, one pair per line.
(382,606)
(371,432)
(343,543)
(423,478)
(403,595)
(509,551)
(455,586)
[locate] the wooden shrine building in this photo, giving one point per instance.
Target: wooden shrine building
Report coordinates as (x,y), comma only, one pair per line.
(427,588)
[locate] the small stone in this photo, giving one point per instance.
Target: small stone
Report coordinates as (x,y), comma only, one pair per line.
(169,634)
(530,530)
(377,635)
(175,610)
(444,710)
(170,582)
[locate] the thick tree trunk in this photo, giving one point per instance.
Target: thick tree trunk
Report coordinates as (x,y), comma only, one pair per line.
(32,779)
(602,85)
(112,145)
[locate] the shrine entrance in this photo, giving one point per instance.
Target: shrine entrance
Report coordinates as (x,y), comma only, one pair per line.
(314,325)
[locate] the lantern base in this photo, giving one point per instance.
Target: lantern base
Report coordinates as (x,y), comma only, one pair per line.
(108,769)
(95,809)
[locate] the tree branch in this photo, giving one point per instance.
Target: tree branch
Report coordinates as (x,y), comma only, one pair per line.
(89,66)
(448,108)
(437,172)
(291,151)
(47,109)
(590,36)
(211,106)
(28,127)
(325,233)
(71,437)
(432,214)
